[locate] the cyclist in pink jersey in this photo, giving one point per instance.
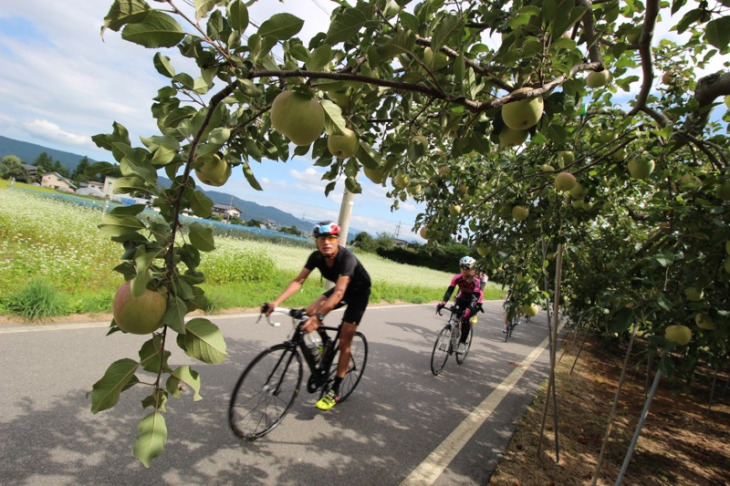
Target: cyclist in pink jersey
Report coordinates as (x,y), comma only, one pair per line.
(469,297)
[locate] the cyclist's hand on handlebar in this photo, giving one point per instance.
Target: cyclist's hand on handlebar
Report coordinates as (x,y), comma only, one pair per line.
(267,308)
(311,325)
(440,306)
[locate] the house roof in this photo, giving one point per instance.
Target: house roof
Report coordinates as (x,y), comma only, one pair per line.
(226,207)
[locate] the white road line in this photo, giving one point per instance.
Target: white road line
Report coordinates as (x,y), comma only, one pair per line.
(438,460)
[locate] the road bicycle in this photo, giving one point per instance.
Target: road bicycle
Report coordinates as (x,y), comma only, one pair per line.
(447,342)
(269,385)
(511,326)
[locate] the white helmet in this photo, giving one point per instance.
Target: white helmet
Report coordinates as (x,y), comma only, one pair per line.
(467,262)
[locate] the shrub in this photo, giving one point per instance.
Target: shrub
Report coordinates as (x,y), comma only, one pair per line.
(35,301)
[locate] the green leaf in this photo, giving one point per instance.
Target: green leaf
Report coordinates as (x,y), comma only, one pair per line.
(248,174)
(156,30)
(319,58)
(204,341)
(152,356)
(333,115)
(174,316)
(368,157)
(203,8)
(238,15)
(402,42)
(123,12)
(445,29)
(621,320)
(151,438)
(188,376)
(163,65)
(717,32)
(132,209)
(200,204)
(114,225)
(346,25)
(281,26)
(118,377)
(201,237)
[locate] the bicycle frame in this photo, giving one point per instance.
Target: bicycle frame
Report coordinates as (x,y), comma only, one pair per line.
(319,370)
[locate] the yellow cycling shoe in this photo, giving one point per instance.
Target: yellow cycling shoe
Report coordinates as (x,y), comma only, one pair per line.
(327,401)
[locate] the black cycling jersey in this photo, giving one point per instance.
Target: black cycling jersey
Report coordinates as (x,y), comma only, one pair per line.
(347,264)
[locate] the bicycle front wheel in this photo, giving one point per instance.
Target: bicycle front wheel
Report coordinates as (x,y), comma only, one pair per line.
(460,357)
(358,360)
(265,391)
(441,350)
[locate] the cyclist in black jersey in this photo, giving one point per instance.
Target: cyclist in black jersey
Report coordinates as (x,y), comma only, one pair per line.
(352,286)
(469,297)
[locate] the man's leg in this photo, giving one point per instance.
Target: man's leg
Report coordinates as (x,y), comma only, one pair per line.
(346,334)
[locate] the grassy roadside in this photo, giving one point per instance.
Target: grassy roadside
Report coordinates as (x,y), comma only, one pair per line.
(55,262)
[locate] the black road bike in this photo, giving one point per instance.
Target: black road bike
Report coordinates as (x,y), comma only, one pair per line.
(269,385)
(511,324)
(447,342)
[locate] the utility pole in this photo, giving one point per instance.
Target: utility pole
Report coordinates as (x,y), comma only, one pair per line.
(348,200)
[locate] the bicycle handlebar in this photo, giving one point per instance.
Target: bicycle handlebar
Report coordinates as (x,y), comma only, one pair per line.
(294,313)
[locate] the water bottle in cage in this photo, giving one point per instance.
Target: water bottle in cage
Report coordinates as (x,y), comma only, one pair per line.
(313,343)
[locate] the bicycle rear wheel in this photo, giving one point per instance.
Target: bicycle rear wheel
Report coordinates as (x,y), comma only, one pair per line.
(441,350)
(510,328)
(265,391)
(460,357)
(358,360)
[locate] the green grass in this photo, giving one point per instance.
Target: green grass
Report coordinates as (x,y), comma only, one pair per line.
(57,247)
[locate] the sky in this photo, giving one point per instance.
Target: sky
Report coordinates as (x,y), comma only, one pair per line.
(62,83)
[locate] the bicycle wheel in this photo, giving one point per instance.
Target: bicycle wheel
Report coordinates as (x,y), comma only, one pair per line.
(460,357)
(510,328)
(265,391)
(441,350)
(358,360)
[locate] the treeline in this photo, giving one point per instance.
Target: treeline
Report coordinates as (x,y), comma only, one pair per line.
(444,258)
(12,167)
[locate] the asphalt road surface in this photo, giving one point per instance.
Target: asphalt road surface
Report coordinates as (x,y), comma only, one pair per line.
(402,425)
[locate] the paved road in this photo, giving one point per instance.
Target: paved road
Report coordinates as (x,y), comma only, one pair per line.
(401,426)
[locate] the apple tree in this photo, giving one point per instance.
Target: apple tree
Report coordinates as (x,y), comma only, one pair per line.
(470,107)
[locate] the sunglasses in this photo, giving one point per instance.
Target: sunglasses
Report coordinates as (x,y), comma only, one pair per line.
(328,237)
(465,267)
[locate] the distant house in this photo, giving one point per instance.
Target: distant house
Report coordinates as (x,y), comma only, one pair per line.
(95,184)
(226,211)
(32,171)
(401,243)
(57,181)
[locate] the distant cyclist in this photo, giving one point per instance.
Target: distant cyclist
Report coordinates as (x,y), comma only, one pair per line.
(352,285)
(469,297)
(509,310)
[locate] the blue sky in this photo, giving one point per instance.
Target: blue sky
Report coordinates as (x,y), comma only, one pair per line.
(62,83)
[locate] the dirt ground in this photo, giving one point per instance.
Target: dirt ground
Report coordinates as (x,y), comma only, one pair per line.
(683,441)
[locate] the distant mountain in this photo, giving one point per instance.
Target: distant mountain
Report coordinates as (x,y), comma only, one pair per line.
(29,152)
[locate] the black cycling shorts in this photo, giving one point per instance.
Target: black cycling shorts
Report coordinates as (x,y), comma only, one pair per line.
(356,305)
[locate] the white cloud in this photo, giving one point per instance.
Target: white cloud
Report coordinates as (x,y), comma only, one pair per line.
(51,131)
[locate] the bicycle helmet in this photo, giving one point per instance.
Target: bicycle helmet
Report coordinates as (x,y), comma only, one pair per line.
(326,228)
(467,262)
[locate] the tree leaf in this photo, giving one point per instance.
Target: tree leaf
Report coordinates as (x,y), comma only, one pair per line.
(156,30)
(118,377)
(201,237)
(204,341)
(163,65)
(347,24)
(121,225)
(151,438)
(200,204)
(717,32)
(238,15)
(445,29)
(248,173)
(174,316)
(186,375)
(281,26)
(124,12)
(203,8)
